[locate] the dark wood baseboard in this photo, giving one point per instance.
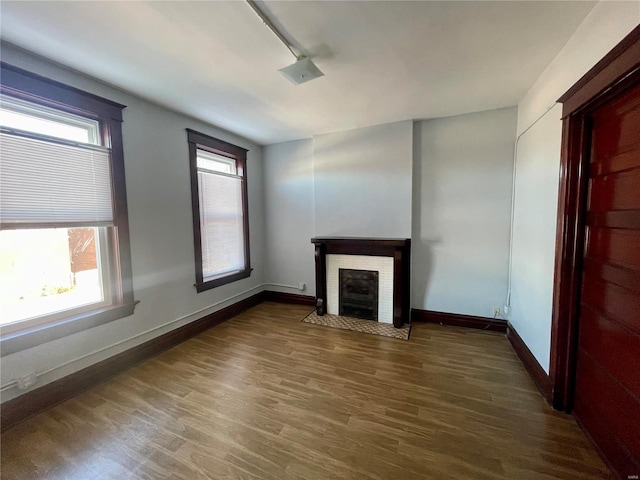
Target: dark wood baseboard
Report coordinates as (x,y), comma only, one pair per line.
(531,365)
(293,298)
(51,394)
(458,320)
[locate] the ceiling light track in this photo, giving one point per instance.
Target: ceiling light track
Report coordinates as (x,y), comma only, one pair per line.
(275,31)
(303,69)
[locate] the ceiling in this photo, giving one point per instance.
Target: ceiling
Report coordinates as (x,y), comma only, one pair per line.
(383,61)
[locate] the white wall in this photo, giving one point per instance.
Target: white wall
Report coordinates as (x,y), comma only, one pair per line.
(353,183)
(362,182)
(159,196)
(462,212)
(288,179)
(534,227)
(537,170)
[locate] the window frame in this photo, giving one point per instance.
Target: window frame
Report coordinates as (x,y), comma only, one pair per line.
(24,85)
(199,141)
(20,106)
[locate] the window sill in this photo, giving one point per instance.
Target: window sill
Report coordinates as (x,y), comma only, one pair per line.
(31,337)
(216,282)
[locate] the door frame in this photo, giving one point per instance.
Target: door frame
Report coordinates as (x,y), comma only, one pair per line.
(616,72)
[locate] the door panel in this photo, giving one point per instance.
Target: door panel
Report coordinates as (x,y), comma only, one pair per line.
(614,274)
(609,344)
(618,247)
(611,446)
(618,303)
(617,130)
(601,391)
(617,191)
(607,388)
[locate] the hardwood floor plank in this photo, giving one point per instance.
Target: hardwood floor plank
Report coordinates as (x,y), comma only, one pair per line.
(265,396)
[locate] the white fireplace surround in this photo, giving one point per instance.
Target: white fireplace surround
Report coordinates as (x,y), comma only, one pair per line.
(382,265)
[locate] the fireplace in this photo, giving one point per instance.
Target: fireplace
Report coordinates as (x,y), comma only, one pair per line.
(358,293)
(390,257)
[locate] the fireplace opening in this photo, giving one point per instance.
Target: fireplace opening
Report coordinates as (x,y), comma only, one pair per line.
(358,294)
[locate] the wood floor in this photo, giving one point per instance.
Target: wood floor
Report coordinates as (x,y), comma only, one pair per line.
(265,396)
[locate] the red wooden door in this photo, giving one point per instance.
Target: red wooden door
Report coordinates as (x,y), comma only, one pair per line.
(607,388)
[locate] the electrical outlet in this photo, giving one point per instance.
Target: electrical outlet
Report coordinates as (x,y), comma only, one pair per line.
(302,286)
(26,381)
(496,311)
(506,309)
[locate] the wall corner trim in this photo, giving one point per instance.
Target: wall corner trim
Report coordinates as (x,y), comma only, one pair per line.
(531,365)
(459,320)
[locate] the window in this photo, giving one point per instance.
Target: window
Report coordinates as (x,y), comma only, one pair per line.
(64,251)
(220,221)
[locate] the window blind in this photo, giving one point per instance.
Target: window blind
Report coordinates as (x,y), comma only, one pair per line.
(44,182)
(221,223)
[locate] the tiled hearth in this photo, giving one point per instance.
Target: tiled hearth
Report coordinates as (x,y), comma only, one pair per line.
(356,325)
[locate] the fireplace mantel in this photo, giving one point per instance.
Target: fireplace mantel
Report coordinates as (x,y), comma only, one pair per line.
(397,248)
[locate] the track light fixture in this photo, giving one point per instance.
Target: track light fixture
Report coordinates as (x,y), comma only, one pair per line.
(303,69)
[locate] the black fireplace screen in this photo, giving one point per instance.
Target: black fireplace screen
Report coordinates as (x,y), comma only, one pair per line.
(358,293)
